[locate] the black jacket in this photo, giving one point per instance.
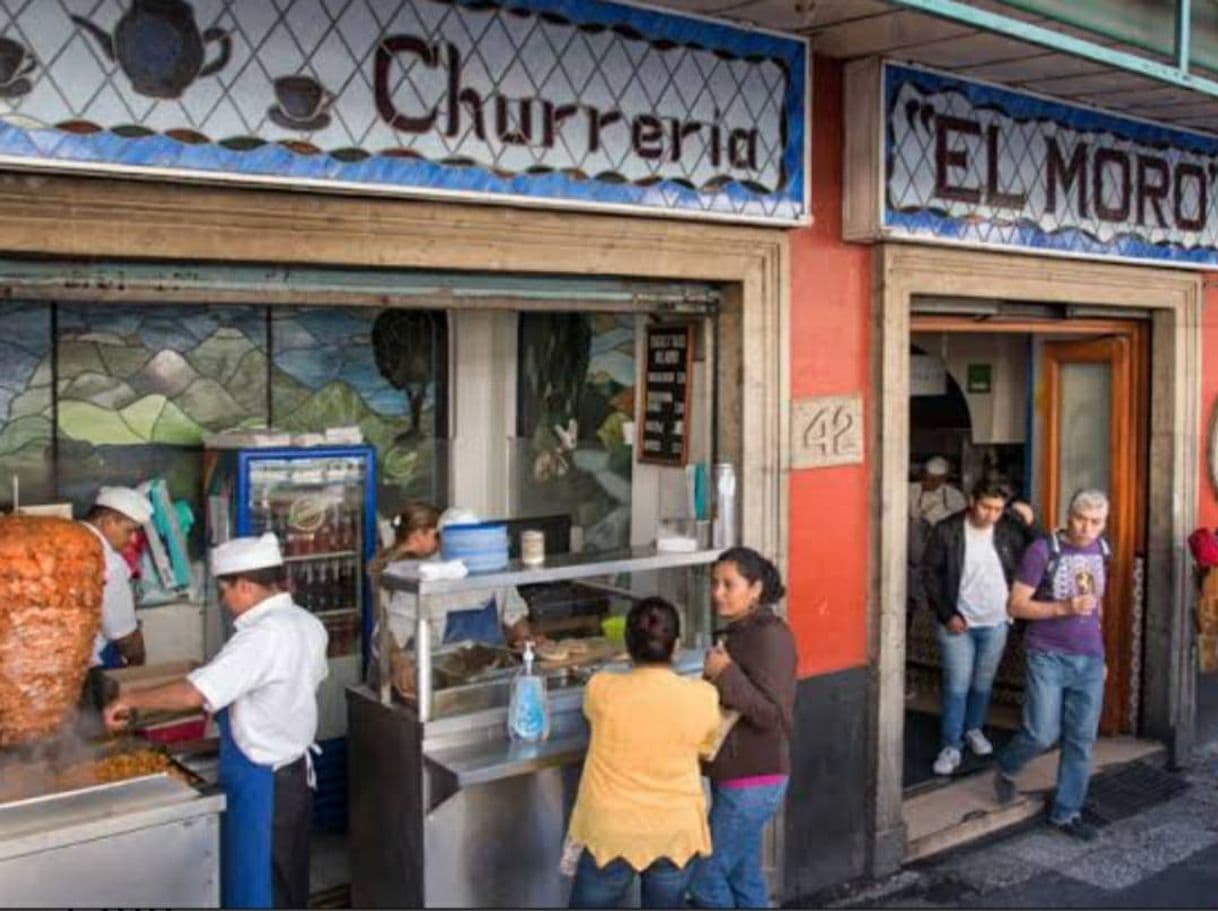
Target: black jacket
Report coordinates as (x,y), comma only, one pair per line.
(943,563)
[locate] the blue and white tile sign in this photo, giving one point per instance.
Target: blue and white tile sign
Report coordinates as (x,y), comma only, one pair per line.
(567,102)
(977,164)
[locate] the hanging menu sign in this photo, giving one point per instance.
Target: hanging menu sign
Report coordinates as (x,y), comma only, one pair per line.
(666,387)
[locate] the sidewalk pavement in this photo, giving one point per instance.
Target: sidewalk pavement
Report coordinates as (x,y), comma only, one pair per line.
(1164,856)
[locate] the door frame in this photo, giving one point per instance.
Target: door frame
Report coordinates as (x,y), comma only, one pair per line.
(1126,506)
(1173,297)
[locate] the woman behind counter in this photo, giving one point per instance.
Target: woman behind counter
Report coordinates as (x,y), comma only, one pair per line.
(640,808)
(754,673)
(491,617)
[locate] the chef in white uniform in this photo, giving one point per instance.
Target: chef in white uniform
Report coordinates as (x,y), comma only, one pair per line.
(117,514)
(263,688)
(931,500)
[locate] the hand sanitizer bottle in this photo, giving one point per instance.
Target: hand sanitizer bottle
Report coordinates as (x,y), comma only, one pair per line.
(528,711)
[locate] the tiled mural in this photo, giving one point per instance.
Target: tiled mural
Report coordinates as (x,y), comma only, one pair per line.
(581,101)
(575,391)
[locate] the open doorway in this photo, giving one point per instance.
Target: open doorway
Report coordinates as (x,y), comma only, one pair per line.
(1043,406)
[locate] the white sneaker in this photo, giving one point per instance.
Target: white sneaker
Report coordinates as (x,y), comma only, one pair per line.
(978,743)
(948,761)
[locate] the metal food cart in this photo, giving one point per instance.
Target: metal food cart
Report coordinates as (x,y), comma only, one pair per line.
(445,810)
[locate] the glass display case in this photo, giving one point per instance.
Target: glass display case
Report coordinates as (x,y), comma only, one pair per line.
(577,602)
(446,809)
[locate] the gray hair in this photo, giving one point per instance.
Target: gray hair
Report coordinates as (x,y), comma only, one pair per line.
(1088,499)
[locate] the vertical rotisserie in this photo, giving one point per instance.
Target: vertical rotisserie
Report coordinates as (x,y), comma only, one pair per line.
(51,573)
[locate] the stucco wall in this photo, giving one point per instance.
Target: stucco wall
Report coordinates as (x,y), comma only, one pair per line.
(830,312)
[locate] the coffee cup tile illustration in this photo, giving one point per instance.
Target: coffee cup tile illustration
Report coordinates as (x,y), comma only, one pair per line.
(301,97)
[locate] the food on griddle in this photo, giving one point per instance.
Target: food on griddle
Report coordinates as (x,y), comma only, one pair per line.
(21,780)
(51,573)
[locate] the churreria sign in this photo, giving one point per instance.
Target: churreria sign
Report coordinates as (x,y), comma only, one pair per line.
(499,119)
(576,101)
(971,162)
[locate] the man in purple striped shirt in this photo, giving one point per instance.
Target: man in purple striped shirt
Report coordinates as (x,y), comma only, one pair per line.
(1059,590)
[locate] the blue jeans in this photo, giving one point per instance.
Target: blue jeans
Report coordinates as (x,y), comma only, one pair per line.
(663,884)
(970,661)
(731,877)
(1062,700)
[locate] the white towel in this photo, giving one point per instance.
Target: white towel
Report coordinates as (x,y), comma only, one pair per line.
(433,570)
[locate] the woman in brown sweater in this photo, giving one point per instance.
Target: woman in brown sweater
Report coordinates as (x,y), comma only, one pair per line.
(753,669)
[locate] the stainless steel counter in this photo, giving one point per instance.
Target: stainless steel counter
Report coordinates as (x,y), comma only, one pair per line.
(151,841)
(479,763)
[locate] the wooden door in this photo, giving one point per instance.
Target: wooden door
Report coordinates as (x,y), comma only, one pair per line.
(1091,408)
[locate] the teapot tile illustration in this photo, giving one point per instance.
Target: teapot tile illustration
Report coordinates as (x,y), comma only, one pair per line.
(158,45)
(16,62)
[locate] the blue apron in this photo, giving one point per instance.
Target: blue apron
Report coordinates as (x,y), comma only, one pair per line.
(110,657)
(480,624)
(246,826)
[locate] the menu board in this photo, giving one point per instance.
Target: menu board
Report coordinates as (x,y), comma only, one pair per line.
(666,386)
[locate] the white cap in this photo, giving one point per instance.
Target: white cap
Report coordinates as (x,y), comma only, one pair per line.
(456,516)
(131,503)
(937,466)
(245,554)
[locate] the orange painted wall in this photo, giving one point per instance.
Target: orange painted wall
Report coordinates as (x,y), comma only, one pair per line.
(830,313)
(1207,503)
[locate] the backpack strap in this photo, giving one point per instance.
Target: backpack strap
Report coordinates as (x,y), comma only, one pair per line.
(1053,542)
(1055,553)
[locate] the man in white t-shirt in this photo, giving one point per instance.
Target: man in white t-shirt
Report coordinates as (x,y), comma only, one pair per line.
(966,573)
(263,688)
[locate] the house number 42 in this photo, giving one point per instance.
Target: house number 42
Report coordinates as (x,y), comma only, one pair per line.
(826,430)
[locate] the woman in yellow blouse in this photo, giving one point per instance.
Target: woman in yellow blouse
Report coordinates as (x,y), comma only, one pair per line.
(640,808)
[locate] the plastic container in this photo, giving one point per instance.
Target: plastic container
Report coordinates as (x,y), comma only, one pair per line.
(724,531)
(614,629)
(528,711)
(532,547)
(482,547)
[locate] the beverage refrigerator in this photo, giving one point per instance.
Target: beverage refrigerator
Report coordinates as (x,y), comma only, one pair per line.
(321,503)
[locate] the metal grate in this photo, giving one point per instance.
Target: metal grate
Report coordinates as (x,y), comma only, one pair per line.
(1129,790)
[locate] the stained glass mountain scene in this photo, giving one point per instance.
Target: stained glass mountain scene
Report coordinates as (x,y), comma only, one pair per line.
(138,386)
(373,368)
(25,403)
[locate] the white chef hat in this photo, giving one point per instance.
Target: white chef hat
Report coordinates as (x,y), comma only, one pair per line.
(457,516)
(937,466)
(245,554)
(131,503)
